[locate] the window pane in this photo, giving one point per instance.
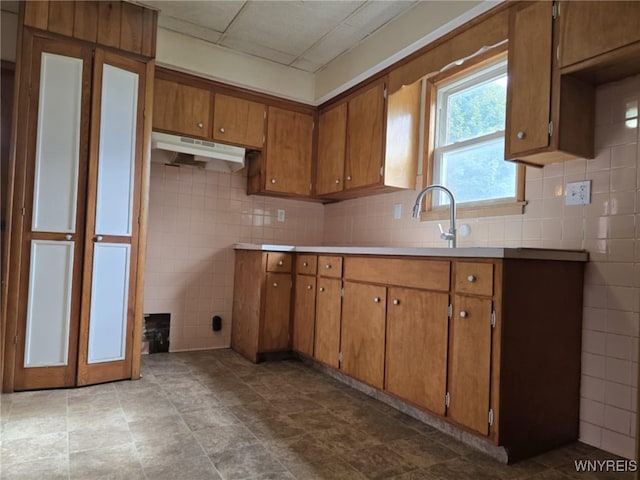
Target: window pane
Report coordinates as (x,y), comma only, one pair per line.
(478,110)
(477,173)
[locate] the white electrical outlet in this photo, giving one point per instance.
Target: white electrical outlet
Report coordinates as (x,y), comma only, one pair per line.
(397,211)
(280,215)
(578,193)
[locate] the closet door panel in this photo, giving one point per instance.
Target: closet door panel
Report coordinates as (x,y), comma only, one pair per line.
(116,168)
(57,144)
(109,302)
(49,304)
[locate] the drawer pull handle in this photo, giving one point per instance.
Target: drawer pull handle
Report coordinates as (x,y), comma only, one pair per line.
(521,134)
(305,264)
(376,299)
(463,314)
(327,266)
(275,284)
(309,287)
(322,289)
(200,125)
(221,129)
(471,278)
(280,263)
(396,301)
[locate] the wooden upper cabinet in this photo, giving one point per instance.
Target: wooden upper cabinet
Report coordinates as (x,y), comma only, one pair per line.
(589,29)
(332,132)
(365,128)
(368,143)
(550,117)
(238,121)
(122,25)
(288,152)
(181,109)
(529,72)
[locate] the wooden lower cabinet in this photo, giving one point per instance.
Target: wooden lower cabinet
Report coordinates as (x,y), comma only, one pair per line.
(470,363)
(363,332)
(416,347)
(327,328)
(304,314)
(261,304)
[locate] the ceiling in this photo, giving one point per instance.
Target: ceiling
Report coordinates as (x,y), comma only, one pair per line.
(305,35)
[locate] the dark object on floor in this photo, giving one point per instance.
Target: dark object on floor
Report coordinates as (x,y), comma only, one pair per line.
(156,331)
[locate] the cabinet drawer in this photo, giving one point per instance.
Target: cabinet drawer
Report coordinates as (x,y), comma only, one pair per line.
(330,266)
(474,278)
(306,264)
(278,262)
(402,272)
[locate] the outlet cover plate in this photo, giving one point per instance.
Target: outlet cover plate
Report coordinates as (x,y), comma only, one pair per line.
(280,215)
(578,193)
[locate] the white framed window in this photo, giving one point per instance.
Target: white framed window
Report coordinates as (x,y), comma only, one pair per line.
(468,155)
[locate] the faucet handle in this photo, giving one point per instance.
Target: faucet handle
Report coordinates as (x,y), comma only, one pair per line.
(443,235)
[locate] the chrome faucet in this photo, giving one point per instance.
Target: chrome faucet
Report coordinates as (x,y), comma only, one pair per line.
(450,236)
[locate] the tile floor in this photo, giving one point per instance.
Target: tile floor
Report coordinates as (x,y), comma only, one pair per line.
(213,415)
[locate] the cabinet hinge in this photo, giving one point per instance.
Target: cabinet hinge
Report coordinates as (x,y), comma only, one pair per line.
(384,93)
(310,187)
(342,295)
(555,11)
(264,115)
(558,53)
(493,319)
(340,356)
(490,416)
(550,129)
(449,311)
(23,211)
(313,125)
(15,339)
(382,170)
(447,400)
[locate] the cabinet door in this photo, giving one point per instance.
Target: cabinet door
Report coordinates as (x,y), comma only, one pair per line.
(470,363)
(363,332)
(238,121)
(332,135)
(365,122)
(416,352)
(275,322)
(304,314)
(181,109)
(113,206)
(529,72)
(327,333)
(588,29)
(54,215)
(288,152)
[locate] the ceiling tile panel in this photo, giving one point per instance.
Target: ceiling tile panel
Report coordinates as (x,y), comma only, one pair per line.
(177,25)
(211,15)
(286,26)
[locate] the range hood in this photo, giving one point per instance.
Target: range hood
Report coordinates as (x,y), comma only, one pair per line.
(178,150)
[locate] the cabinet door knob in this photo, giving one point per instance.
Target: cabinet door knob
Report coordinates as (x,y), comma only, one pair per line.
(309,287)
(376,299)
(322,289)
(348,177)
(327,266)
(305,264)
(273,180)
(521,134)
(68,236)
(99,238)
(337,181)
(221,129)
(280,263)
(396,301)
(463,314)
(471,278)
(200,125)
(275,284)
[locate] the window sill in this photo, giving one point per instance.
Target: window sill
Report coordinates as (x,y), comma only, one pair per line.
(475,211)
